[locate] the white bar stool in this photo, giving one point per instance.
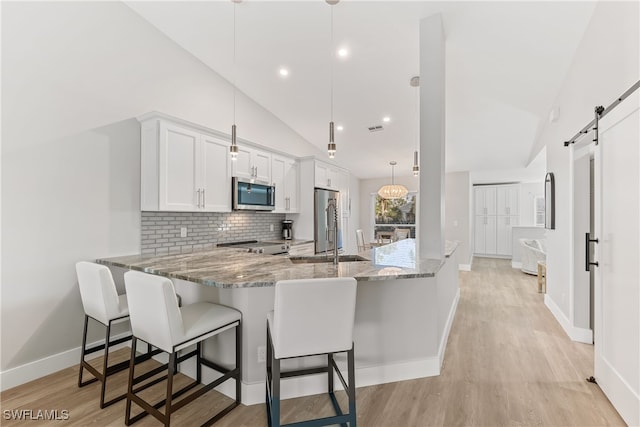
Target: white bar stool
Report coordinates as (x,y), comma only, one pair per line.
(311,317)
(102,303)
(157,320)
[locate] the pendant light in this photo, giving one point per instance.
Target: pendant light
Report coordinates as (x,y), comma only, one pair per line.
(331,147)
(415,82)
(392,191)
(233,149)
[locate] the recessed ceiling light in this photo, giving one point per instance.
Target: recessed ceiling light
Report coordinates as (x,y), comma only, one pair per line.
(386,119)
(340,127)
(343,52)
(284,72)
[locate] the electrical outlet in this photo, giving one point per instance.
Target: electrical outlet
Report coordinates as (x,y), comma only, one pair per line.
(262,354)
(270,227)
(183,231)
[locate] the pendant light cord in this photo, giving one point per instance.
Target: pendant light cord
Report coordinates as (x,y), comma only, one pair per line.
(234,62)
(331,59)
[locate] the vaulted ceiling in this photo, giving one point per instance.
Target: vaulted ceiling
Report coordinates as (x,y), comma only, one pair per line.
(505,63)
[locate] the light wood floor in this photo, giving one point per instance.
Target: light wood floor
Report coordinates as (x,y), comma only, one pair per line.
(508,362)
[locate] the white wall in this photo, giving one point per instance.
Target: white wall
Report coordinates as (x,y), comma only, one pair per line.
(528,192)
(605,65)
(71,87)
(458,214)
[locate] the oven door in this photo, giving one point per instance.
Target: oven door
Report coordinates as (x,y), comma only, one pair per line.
(253,195)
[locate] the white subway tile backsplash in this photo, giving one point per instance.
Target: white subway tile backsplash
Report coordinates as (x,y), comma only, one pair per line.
(161,230)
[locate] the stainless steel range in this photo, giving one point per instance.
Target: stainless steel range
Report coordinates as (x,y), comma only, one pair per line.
(257,247)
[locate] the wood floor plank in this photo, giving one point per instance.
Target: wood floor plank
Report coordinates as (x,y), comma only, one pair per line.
(508,362)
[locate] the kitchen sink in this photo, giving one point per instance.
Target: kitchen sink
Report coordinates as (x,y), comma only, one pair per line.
(322,258)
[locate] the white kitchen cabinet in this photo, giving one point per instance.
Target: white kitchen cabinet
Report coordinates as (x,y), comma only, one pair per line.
(485,200)
(504,227)
(303,249)
(496,209)
(327,176)
(508,200)
(285,177)
(183,169)
(252,163)
(485,234)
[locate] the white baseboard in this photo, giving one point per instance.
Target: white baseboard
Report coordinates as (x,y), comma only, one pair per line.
(515,264)
(32,371)
(576,334)
(253,393)
(447,327)
(621,394)
(464,267)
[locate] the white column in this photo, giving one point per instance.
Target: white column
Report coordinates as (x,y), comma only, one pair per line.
(432,138)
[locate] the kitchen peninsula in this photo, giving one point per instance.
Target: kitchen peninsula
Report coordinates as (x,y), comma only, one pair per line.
(404,307)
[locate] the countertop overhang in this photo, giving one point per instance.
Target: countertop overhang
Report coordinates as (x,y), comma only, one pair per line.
(235,268)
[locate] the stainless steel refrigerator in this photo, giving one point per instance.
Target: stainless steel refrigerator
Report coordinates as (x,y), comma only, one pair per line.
(325,220)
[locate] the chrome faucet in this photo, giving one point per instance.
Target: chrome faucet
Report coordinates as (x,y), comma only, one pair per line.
(333,206)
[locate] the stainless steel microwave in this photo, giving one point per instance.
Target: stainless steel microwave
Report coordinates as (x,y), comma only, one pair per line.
(253,196)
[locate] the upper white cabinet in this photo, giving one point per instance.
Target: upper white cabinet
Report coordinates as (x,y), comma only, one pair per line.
(252,163)
(496,212)
(485,200)
(326,176)
(285,177)
(508,200)
(182,169)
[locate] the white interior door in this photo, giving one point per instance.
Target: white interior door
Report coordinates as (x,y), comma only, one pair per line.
(617,293)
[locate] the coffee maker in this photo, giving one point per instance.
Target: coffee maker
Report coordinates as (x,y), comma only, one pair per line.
(287,229)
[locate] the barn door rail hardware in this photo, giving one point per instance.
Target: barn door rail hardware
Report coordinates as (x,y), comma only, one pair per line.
(600,112)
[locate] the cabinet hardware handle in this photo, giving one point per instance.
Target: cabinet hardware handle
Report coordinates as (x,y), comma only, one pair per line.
(587,253)
(204,198)
(198,197)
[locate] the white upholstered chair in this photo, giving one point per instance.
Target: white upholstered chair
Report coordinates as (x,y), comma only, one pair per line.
(312,317)
(157,320)
(101,303)
(532,251)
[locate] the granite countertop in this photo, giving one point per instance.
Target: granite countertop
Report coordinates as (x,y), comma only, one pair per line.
(235,268)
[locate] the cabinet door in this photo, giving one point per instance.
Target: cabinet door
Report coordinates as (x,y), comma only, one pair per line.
(216,175)
(292,186)
(278,167)
(179,151)
(241,166)
(508,199)
(261,161)
(479,229)
(505,234)
(490,235)
(490,200)
(485,200)
(321,175)
(333,179)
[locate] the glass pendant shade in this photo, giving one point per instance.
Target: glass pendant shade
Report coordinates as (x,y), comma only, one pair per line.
(331,147)
(393,191)
(233,149)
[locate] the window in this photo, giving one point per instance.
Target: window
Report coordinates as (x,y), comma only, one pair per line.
(391,214)
(539,212)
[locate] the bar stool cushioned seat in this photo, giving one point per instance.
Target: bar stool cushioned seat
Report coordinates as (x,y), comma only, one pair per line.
(311,317)
(157,320)
(102,303)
